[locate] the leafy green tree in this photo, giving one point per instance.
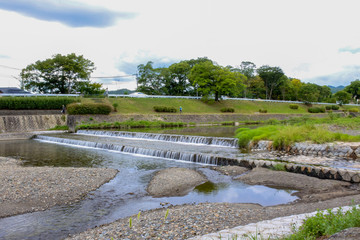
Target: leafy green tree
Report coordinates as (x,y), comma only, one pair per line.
(325,93)
(354,89)
(149,80)
(90,88)
(342,97)
(215,80)
(272,77)
(179,75)
(309,93)
(59,74)
(248,69)
(295,85)
(255,88)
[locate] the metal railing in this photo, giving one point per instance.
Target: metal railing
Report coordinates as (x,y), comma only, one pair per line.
(164,96)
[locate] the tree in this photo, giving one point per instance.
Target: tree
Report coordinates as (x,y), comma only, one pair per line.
(342,97)
(309,93)
(354,89)
(272,77)
(148,79)
(295,85)
(59,74)
(179,74)
(248,69)
(212,79)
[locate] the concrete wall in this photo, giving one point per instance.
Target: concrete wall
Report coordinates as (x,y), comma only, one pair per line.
(27,123)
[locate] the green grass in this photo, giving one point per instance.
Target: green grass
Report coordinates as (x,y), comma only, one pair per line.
(285,135)
(193,106)
(130,124)
(326,224)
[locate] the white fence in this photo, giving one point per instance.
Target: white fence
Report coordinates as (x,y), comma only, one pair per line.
(163,96)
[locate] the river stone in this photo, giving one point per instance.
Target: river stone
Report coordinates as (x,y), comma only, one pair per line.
(174,182)
(287,180)
(347,234)
(231,170)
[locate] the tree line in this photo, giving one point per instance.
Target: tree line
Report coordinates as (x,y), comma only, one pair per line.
(196,77)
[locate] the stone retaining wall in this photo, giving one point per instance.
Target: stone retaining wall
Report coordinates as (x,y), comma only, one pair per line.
(337,149)
(27,123)
(313,171)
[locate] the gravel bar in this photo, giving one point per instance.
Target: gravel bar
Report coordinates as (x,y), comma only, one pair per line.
(28,189)
(186,221)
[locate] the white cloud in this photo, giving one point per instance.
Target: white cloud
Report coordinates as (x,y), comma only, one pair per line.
(307,39)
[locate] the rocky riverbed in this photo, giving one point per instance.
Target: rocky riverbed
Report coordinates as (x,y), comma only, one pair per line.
(186,221)
(28,189)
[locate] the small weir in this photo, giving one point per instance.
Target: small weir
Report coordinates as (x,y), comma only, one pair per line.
(182,156)
(216,141)
(137,161)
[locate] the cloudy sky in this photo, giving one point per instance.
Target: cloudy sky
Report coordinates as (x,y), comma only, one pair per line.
(313,40)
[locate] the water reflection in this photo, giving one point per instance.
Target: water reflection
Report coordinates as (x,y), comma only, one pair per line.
(123,196)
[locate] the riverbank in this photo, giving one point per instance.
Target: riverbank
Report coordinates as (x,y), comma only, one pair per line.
(186,221)
(29,189)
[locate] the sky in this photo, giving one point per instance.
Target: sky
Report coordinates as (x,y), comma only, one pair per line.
(315,41)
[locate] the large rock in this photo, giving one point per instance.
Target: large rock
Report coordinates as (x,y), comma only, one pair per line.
(174,182)
(347,234)
(287,180)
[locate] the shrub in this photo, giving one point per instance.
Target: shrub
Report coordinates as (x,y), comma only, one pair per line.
(227,109)
(335,107)
(262,111)
(89,108)
(164,109)
(328,107)
(316,110)
(35,103)
(353,110)
(294,106)
(115,105)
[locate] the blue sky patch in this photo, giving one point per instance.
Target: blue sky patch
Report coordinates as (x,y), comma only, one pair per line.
(350,50)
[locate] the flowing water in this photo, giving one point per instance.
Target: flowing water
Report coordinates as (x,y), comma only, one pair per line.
(137,157)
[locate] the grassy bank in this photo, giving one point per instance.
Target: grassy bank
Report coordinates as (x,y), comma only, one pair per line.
(325,224)
(285,133)
(193,106)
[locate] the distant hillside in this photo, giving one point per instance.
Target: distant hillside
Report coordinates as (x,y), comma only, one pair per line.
(121,91)
(336,89)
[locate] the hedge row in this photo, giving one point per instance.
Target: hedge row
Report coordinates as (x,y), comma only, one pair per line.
(164,109)
(262,111)
(227,109)
(332,107)
(34,103)
(89,108)
(316,110)
(294,106)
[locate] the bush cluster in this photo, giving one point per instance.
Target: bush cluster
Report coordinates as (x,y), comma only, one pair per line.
(353,110)
(89,108)
(164,109)
(262,111)
(34,103)
(316,110)
(294,106)
(227,109)
(332,107)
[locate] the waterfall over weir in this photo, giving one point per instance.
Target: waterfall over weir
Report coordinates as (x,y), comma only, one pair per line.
(224,142)
(190,157)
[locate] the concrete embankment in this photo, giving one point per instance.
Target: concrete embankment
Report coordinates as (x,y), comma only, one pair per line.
(27,123)
(185,118)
